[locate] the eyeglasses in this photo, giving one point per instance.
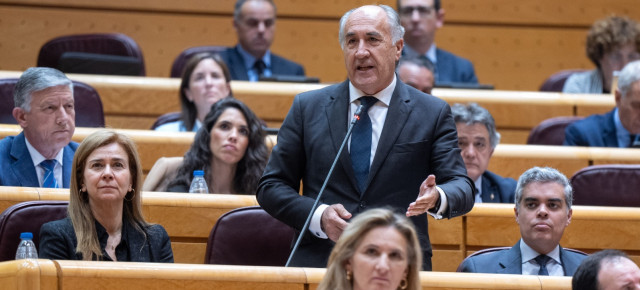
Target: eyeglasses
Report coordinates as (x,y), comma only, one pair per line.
(423,11)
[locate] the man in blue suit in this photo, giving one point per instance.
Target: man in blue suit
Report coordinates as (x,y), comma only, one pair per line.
(421,19)
(42,155)
(619,127)
(543,210)
(255,25)
(477,138)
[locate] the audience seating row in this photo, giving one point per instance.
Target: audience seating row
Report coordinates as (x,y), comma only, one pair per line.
(189,219)
(540,38)
(508,160)
(136,103)
(71,275)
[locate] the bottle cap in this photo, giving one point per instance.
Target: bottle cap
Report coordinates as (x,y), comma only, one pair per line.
(198,173)
(26,236)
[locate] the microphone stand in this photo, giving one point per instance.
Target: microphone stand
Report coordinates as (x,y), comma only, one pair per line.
(355,118)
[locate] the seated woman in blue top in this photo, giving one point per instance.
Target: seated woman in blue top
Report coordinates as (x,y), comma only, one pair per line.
(105,221)
(205,80)
(230,148)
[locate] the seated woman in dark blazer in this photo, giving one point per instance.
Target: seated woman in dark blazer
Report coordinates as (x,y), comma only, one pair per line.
(105,219)
(230,148)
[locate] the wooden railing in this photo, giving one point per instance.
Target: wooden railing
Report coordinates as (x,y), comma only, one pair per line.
(136,102)
(87,275)
(189,219)
(514,45)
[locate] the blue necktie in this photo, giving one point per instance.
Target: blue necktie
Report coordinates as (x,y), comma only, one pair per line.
(49,178)
(542,261)
(360,150)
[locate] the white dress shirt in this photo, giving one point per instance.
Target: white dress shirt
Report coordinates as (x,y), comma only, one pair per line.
(37,158)
(531,267)
(378,115)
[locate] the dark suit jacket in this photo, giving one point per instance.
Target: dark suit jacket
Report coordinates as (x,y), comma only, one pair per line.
(498,189)
(17,165)
(279,65)
(418,138)
(454,69)
(58,241)
(593,131)
(510,262)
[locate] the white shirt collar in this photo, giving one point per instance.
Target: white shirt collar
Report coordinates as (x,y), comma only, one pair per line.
(249,59)
(528,254)
(383,96)
(431,53)
(37,158)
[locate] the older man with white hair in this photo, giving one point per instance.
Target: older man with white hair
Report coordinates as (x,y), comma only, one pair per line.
(42,154)
(621,126)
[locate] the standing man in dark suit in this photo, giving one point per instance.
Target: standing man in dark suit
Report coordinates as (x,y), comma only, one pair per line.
(403,152)
(42,154)
(421,19)
(618,128)
(255,25)
(477,138)
(543,210)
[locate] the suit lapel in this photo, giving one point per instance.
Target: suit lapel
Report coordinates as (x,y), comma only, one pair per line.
(397,115)
(609,135)
(569,264)
(236,65)
(22,166)
(511,261)
(67,163)
(489,190)
(336,112)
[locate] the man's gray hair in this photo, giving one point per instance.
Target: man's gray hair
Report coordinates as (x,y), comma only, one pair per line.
(238,7)
(474,114)
(36,79)
(544,175)
(629,75)
(397,31)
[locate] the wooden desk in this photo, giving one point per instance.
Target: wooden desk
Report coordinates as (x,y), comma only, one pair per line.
(88,275)
(136,102)
(189,218)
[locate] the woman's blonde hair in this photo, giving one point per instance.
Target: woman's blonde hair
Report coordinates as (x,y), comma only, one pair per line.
(336,277)
(79,210)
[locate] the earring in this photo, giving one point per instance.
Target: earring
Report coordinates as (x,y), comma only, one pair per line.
(349,274)
(133,192)
(404,283)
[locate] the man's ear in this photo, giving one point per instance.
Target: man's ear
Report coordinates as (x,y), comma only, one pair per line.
(20,115)
(440,18)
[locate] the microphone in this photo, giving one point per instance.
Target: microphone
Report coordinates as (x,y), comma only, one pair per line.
(355,118)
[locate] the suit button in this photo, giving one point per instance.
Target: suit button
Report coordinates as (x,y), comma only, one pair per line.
(363,204)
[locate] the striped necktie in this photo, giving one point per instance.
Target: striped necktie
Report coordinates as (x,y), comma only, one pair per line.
(49,177)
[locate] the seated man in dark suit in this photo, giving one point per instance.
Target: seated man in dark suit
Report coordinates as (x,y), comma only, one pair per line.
(543,210)
(421,19)
(40,156)
(477,138)
(618,128)
(606,270)
(255,25)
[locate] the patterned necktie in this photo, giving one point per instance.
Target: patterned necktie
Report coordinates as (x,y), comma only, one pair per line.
(634,141)
(360,150)
(542,261)
(49,178)
(260,66)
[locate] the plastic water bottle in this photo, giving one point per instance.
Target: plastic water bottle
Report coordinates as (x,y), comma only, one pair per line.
(26,249)
(198,184)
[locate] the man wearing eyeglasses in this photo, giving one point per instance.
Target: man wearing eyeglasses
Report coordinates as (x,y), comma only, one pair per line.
(421,19)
